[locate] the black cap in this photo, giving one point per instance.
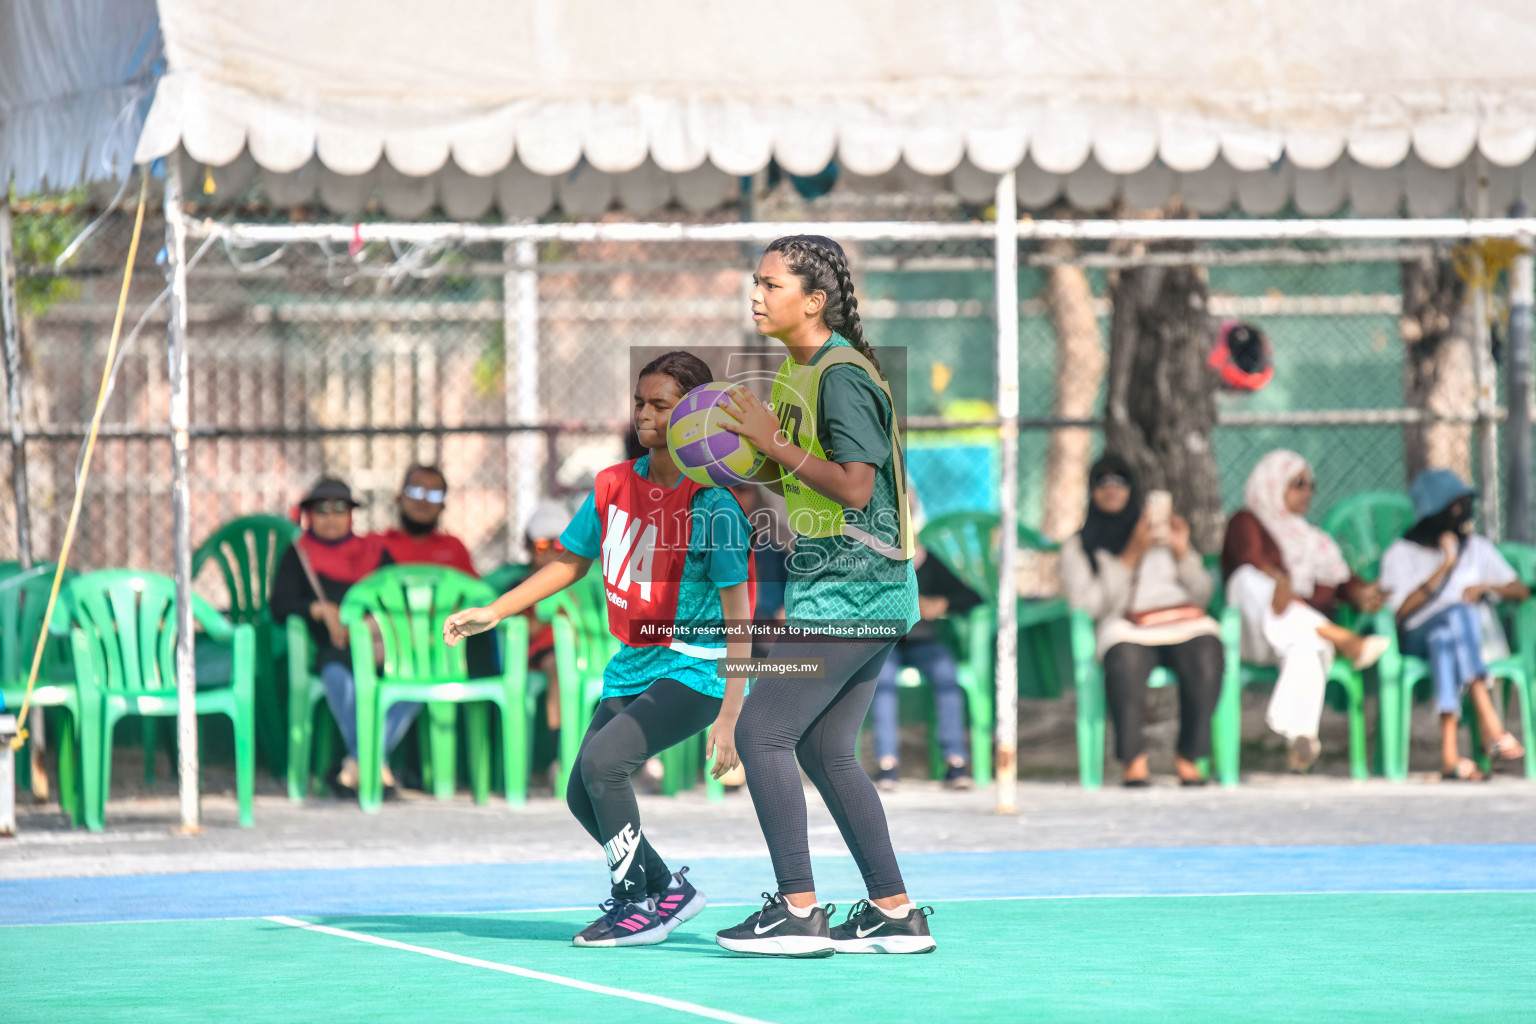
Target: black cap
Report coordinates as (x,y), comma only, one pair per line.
(329,489)
(1247,347)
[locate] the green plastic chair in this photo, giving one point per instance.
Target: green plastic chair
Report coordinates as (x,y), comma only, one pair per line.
(506,576)
(583,646)
(1226,730)
(309,743)
(1521,619)
(1226,734)
(502,579)
(974,636)
(23,598)
(312,734)
(966,542)
(123,639)
(409,604)
(1521,625)
(1088,678)
(970,636)
(247,552)
(1402,675)
(1365,525)
(1405,678)
(1226,723)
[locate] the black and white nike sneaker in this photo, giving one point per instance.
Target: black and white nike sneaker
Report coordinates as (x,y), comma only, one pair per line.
(624,923)
(775,931)
(869,930)
(679,901)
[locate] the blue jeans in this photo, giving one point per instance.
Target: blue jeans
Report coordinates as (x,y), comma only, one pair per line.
(341,695)
(937,665)
(1452,642)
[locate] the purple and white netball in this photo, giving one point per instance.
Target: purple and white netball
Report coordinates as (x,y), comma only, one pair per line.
(704,450)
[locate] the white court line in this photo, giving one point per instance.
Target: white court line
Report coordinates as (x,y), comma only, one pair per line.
(679,1005)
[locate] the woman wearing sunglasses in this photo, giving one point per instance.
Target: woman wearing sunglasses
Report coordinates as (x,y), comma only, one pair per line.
(1287,577)
(312,578)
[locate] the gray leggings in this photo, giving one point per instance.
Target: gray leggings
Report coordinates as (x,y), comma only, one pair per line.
(818,720)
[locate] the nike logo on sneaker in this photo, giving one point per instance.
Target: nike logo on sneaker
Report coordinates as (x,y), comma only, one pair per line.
(758,929)
(863,934)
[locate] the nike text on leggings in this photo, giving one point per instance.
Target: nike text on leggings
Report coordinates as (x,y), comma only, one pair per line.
(624,733)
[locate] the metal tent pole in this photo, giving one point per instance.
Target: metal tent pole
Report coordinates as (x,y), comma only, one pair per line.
(15,388)
(1486,375)
(8,325)
(1260,229)
(529,443)
(1518,524)
(512,453)
(1007,678)
(176,345)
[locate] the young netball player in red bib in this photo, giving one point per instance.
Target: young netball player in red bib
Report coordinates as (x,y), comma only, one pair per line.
(675,562)
(836,456)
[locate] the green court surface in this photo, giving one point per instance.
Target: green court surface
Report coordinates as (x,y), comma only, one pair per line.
(1398,957)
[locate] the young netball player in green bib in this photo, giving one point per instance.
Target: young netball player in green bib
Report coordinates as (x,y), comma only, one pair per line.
(832,440)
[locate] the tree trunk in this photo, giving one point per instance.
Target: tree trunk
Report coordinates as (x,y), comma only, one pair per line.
(1161,408)
(1079,372)
(1438,373)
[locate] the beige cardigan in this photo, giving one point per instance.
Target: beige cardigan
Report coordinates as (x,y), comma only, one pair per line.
(1163,582)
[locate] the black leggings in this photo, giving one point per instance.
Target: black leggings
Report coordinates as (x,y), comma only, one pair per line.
(1198,665)
(817,719)
(626,732)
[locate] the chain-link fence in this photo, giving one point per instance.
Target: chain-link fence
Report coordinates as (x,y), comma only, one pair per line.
(508,364)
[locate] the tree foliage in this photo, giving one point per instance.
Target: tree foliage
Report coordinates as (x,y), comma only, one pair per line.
(41,228)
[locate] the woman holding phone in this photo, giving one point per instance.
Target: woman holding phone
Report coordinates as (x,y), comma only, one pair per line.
(1133,570)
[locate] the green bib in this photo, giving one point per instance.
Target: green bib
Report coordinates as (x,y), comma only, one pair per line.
(796,390)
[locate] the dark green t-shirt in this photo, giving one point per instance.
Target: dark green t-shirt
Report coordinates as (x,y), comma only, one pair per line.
(836,578)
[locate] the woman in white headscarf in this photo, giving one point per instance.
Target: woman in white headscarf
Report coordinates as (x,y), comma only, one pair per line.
(1286,577)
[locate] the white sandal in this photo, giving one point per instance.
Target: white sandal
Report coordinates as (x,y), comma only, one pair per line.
(1371,650)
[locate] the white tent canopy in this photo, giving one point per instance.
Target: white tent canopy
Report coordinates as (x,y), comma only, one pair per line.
(1247,102)
(74,78)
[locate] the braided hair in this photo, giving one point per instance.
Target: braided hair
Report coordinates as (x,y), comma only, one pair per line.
(821,265)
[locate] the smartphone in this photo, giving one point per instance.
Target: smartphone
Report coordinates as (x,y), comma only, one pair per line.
(1159,511)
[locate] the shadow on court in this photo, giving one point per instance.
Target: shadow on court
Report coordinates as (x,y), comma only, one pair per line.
(419,929)
(416,928)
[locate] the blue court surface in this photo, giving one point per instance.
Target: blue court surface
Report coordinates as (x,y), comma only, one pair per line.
(1382,933)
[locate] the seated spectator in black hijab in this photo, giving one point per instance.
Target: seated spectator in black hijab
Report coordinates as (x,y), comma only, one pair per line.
(1147,596)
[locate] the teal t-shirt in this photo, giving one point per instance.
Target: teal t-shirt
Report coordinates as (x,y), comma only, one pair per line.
(717,557)
(836,579)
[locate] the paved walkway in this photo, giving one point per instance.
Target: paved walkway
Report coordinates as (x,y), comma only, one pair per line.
(1266,810)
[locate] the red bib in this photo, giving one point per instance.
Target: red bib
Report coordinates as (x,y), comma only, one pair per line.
(646,530)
